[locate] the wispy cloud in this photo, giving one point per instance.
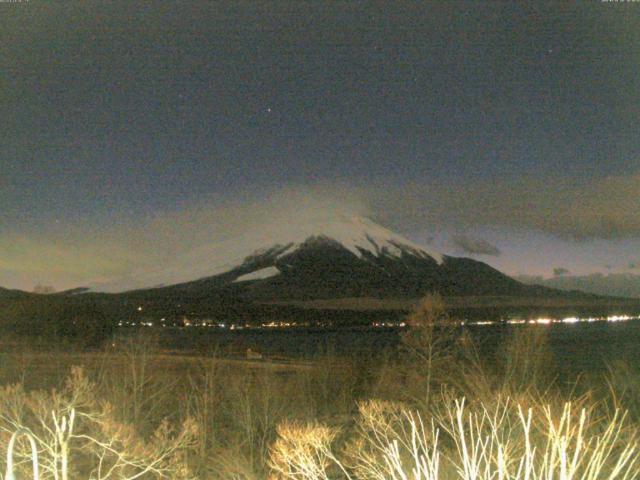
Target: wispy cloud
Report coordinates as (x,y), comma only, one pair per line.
(605,208)
(475,246)
(77,255)
(598,208)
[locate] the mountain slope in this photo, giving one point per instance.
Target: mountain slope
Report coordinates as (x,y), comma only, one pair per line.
(354,238)
(7,294)
(346,257)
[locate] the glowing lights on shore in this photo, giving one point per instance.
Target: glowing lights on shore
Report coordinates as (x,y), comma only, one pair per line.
(567,320)
(388,324)
(530,321)
(571,320)
(186,322)
(542,321)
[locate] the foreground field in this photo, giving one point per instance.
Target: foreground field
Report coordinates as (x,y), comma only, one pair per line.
(433,407)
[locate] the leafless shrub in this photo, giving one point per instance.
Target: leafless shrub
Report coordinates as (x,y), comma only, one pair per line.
(303,452)
(527,360)
(77,436)
(391,442)
(430,349)
(137,391)
(502,440)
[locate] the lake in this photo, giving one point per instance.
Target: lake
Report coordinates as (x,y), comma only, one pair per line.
(583,346)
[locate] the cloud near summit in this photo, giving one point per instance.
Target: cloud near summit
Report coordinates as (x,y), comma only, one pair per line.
(475,246)
(606,208)
(601,208)
(73,255)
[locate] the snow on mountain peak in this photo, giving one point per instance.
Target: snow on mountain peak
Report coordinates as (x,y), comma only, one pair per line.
(358,234)
(355,233)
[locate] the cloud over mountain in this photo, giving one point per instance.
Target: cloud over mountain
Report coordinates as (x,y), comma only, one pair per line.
(475,246)
(66,255)
(71,255)
(575,209)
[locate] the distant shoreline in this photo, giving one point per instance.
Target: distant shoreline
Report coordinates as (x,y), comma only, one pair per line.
(406,304)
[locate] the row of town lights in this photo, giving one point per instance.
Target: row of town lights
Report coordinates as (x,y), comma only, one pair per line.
(513,321)
(548,321)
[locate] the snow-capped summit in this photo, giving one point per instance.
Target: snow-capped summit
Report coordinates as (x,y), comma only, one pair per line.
(358,235)
(260,252)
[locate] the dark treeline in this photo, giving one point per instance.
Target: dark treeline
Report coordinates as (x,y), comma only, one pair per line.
(88,319)
(84,321)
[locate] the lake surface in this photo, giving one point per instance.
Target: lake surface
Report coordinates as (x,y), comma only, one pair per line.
(577,347)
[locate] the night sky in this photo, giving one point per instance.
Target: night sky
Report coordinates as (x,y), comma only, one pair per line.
(508,132)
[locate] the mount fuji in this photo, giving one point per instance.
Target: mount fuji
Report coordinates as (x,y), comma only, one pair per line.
(318,258)
(311,266)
